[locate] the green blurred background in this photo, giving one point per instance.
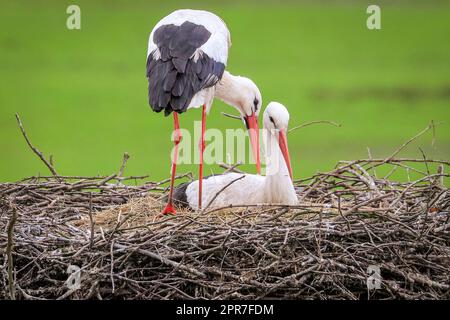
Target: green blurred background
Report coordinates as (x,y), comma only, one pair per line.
(82,94)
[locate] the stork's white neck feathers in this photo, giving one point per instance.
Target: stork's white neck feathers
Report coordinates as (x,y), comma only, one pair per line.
(228,89)
(239,92)
(278,186)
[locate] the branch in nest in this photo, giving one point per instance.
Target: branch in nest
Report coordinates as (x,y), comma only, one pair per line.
(231,167)
(294,128)
(431,126)
(119,177)
(221,190)
(9,247)
(126,156)
(232,116)
(36,150)
(315,122)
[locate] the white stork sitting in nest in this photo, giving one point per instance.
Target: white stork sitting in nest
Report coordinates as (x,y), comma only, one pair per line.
(238,189)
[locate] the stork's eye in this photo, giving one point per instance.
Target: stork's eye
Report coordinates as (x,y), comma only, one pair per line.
(255,103)
(271,120)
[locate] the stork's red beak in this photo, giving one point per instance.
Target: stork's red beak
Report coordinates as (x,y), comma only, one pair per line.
(282,141)
(253,131)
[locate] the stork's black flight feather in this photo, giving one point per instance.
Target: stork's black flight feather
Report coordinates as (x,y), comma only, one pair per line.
(174,78)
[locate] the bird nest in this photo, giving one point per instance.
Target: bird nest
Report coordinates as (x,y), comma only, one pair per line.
(354,235)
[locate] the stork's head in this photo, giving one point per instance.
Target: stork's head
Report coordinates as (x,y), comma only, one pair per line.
(276,121)
(276,117)
(249,107)
(249,98)
(243,94)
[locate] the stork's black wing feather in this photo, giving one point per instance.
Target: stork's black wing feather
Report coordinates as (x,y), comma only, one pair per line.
(174,77)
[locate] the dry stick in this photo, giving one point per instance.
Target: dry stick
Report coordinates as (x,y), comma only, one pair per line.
(9,247)
(221,190)
(274,206)
(105,180)
(187,174)
(431,186)
(430,126)
(294,128)
(91,220)
(425,161)
(315,122)
(126,156)
(66,294)
(342,215)
(364,203)
(112,267)
(440,180)
(277,215)
(231,168)
(86,178)
(370,157)
(231,116)
(393,203)
(365,177)
(164,260)
(35,150)
(434,133)
(396,160)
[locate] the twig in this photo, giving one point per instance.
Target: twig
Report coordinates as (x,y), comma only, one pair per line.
(315,122)
(126,156)
(221,190)
(430,126)
(112,267)
(231,168)
(9,247)
(35,150)
(166,261)
(440,172)
(91,220)
(369,153)
(231,116)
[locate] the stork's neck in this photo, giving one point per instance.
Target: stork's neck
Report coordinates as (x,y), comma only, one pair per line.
(278,184)
(228,90)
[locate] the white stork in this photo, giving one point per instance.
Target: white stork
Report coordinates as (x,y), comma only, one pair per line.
(248,189)
(186,59)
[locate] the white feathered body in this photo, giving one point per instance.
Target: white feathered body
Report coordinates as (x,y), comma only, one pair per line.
(274,188)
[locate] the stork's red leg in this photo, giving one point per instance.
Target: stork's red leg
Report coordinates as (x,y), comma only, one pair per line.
(202,149)
(177,138)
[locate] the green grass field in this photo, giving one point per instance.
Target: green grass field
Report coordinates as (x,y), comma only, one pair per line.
(82,94)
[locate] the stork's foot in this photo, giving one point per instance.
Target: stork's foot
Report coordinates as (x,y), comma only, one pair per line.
(169,209)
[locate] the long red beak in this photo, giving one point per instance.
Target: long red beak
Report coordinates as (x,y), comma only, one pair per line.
(282,141)
(253,131)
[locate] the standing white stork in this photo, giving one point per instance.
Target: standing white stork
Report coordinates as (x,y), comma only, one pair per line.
(186,59)
(249,189)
